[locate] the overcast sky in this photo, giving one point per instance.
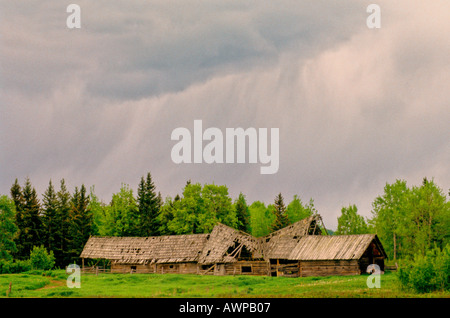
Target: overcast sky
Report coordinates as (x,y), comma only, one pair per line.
(356,107)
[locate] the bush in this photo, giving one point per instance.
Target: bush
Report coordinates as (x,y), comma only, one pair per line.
(13,267)
(41,259)
(427,273)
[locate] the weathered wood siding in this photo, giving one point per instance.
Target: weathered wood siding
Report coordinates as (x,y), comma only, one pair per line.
(329,268)
(252,268)
(174,268)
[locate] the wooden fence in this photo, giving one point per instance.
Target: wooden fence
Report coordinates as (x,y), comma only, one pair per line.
(95,270)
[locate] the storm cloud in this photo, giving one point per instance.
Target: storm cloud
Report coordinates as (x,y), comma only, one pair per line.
(356,107)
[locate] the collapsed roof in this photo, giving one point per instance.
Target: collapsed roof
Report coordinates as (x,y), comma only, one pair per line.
(301,240)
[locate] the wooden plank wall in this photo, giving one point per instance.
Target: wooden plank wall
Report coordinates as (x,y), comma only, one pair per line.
(176,268)
(329,268)
(258,268)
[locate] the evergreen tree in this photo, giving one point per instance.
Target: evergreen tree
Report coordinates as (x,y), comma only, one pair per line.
(8,228)
(61,249)
(279,210)
(148,207)
(81,222)
(17,196)
(50,220)
(28,219)
(242,213)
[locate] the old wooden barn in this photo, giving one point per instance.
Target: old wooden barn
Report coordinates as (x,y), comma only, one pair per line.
(299,249)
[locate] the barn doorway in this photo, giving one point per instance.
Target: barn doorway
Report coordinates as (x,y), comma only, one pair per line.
(274,267)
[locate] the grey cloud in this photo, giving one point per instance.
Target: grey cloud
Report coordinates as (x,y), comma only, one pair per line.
(355,108)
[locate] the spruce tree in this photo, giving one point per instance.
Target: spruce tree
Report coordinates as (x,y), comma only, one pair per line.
(243,214)
(17,197)
(28,220)
(8,228)
(149,206)
(62,253)
(50,218)
(279,211)
(81,222)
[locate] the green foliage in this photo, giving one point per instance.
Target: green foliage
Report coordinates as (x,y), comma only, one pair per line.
(350,222)
(411,220)
(8,228)
(166,215)
(200,209)
(261,218)
(41,259)
(427,219)
(121,216)
(426,273)
(98,209)
(297,211)
(17,266)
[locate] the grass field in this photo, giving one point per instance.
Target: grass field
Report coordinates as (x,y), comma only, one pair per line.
(53,284)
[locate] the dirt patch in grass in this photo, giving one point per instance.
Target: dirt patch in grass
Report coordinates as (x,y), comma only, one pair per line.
(53,284)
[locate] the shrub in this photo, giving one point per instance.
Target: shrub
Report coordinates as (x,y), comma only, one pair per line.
(41,259)
(427,273)
(13,267)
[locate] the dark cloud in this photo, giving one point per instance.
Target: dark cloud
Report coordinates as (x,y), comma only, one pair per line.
(356,107)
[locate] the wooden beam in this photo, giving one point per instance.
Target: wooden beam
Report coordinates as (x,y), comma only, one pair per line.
(209,269)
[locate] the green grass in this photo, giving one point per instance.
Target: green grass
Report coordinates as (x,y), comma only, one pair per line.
(53,284)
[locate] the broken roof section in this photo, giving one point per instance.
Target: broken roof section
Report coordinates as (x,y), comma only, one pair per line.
(226,244)
(145,250)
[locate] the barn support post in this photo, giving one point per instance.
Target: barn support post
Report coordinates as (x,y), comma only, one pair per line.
(278,265)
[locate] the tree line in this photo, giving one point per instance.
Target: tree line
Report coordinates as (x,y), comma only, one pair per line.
(406,219)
